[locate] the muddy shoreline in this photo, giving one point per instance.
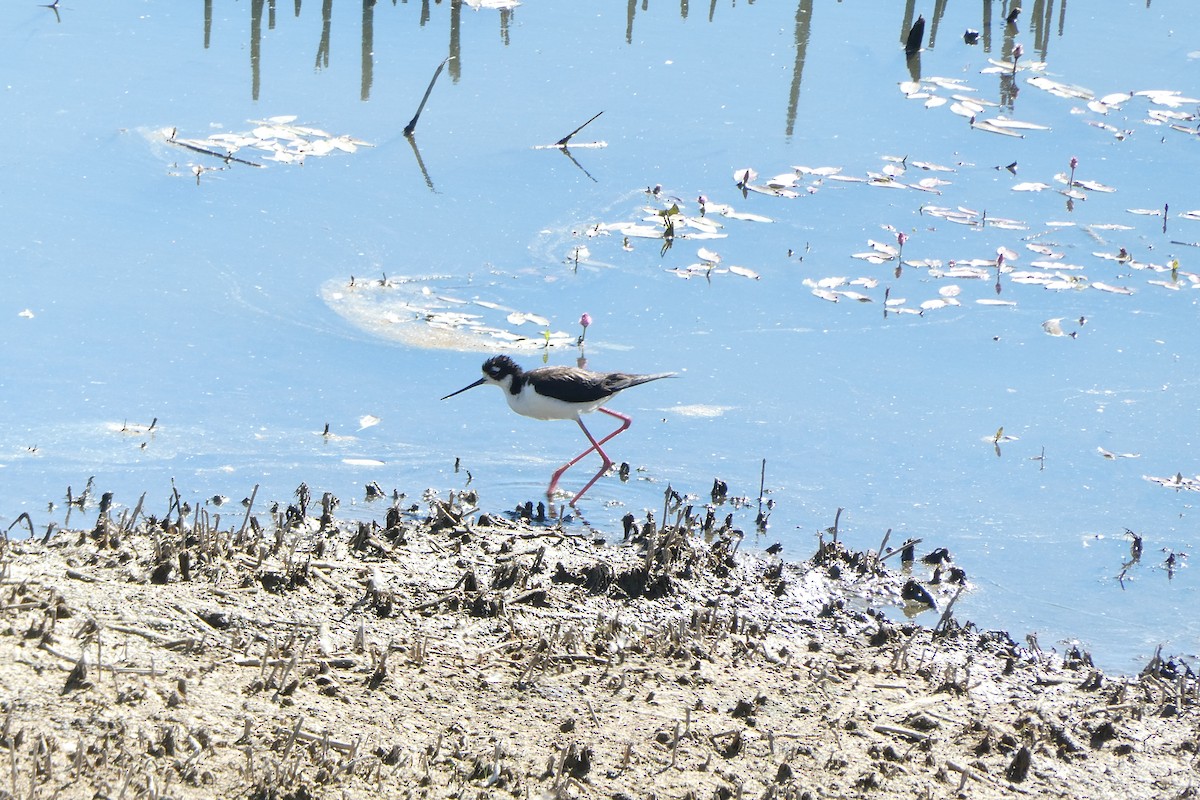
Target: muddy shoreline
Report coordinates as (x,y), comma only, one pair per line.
(450,652)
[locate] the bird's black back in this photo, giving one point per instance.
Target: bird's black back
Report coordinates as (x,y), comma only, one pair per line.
(583,386)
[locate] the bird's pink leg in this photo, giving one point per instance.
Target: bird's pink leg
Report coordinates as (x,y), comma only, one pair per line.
(596,445)
(603,455)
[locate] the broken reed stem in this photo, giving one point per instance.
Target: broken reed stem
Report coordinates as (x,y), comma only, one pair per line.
(291,742)
(412,125)
(24,516)
(137,510)
(666,505)
(896,730)
(762,483)
(949,607)
(249,507)
(907,544)
(900,657)
(125,783)
(77,762)
(563,141)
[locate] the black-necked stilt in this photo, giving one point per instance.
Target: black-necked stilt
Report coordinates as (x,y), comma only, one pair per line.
(561,393)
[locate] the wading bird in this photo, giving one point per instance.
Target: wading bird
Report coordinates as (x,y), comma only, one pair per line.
(562,393)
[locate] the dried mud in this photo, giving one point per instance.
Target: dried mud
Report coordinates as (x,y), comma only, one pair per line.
(450,653)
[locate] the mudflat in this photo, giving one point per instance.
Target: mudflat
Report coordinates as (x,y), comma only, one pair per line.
(448,652)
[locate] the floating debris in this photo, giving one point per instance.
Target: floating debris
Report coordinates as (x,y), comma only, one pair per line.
(669,219)
(420,312)
(1060,89)
(1113,456)
(1177,481)
(1054,328)
(278,138)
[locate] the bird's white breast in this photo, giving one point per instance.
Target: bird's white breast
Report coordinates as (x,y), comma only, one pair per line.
(531,404)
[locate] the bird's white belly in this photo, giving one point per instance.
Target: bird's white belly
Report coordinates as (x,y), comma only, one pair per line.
(531,404)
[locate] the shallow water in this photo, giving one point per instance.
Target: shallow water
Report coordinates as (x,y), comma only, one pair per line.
(222,306)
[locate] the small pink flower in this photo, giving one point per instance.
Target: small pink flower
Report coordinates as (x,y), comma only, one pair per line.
(999,256)
(1074,162)
(584,321)
(901,238)
(1018,51)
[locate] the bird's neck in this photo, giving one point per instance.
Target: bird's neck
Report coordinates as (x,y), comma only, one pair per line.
(512,384)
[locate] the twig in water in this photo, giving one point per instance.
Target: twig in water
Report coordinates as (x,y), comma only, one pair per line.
(226,157)
(412,125)
(907,544)
(762,484)
(563,141)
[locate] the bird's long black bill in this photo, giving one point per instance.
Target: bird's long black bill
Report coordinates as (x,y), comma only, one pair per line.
(479,382)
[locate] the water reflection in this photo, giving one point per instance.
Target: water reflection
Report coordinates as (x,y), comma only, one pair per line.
(803,33)
(1046,18)
(1041,18)
(367,48)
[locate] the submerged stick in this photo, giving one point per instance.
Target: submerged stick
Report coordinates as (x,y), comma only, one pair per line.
(563,141)
(412,125)
(226,157)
